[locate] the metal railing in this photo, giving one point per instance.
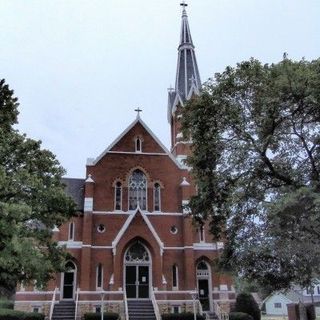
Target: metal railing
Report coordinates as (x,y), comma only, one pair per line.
(155,305)
(52,303)
(220,314)
(77,302)
(125,299)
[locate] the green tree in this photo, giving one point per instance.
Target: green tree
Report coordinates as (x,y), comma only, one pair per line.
(256,160)
(32,202)
(246,304)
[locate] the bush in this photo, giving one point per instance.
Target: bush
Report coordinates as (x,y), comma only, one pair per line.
(181,316)
(97,316)
(7,314)
(245,303)
(6,304)
(239,316)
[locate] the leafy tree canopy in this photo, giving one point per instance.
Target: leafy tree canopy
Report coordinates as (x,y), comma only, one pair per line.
(256,160)
(32,202)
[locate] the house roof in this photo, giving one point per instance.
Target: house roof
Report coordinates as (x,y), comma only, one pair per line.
(75,189)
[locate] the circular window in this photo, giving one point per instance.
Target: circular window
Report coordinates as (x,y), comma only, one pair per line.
(101,228)
(174,230)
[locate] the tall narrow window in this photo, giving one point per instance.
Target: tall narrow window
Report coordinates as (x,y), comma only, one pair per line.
(157,197)
(99,276)
(137,190)
(138,145)
(118,196)
(174,277)
(201,234)
(71,231)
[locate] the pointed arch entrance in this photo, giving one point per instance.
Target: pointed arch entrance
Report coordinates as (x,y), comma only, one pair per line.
(68,281)
(204,285)
(137,271)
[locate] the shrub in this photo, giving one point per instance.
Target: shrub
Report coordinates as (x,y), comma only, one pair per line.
(181,316)
(6,304)
(7,314)
(245,303)
(97,316)
(239,316)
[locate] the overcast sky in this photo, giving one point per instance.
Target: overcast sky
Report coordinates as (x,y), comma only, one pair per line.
(80,67)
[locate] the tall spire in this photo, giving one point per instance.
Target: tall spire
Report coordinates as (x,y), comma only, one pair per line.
(188,78)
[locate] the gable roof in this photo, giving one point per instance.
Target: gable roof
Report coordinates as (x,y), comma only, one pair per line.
(128,223)
(137,120)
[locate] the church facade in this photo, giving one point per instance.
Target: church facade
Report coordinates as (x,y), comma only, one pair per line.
(134,239)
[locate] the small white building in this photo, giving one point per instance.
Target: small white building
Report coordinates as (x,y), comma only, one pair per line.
(276,303)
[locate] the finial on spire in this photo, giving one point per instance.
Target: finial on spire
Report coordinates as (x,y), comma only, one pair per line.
(138,110)
(183,4)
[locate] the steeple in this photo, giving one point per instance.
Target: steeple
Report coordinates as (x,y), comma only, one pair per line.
(188,78)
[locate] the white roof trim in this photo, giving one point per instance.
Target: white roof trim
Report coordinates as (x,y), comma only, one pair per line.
(127,224)
(277,293)
(138,119)
(177,100)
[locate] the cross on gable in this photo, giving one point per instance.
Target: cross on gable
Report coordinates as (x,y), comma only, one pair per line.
(138,110)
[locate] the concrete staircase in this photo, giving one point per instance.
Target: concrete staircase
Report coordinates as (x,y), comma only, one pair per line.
(64,310)
(141,310)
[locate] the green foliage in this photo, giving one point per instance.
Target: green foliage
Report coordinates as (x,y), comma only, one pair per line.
(6,304)
(239,316)
(256,161)
(182,316)
(246,304)
(97,316)
(32,202)
(6,314)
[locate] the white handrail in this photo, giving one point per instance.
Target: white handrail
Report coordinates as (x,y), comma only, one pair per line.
(52,303)
(220,314)
(125,299)
(155,305)
(76,307)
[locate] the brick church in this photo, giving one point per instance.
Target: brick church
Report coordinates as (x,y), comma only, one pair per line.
(133,241)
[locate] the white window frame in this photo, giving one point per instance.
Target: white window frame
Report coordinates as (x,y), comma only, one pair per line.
(172,309)
(115,196)
(154,197)
(146,208)
(97,276)
(277,305)
(139,150)
(176,270)
(71,234)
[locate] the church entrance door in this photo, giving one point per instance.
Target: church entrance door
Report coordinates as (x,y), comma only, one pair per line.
(137,272)
(69,281)
(204,287)
(137,282)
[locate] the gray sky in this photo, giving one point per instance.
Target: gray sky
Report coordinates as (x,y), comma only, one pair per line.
(80,67)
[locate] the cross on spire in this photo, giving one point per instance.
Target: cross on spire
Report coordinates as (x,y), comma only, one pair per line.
(183,4)
(138,110)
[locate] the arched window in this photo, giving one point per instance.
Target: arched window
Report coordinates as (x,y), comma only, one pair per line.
(175,277)
(157,197)
(137,190)
(201,234)
(71,231)
(118,196)
(99,276)
(138,145)
(137,253)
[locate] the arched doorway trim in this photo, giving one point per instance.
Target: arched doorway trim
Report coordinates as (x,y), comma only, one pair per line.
(68,281)
(204,284)
(137,273)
